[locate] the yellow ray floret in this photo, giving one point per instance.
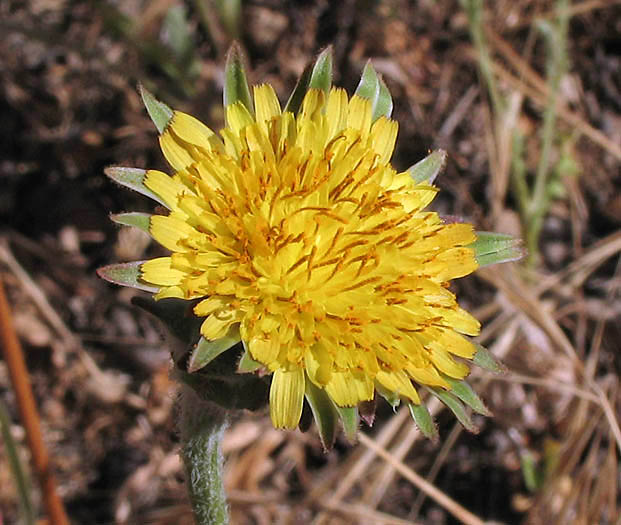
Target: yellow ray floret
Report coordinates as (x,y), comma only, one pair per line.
(185,140)
(298,230)
(286,397)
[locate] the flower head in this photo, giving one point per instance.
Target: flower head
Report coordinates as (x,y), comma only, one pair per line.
(294,233)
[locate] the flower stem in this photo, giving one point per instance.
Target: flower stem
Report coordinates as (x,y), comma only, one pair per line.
(202,426)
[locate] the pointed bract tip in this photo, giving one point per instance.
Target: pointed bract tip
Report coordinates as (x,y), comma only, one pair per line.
(483,358)
(350,419)
(119,173)
(328,50)
(321,76)
(160,113)
(206,351)
(496,248)
(424,421)
(235,82)
(134,179)
(426,170)
(139,220)
(366,409)
(126,274)
(234,52)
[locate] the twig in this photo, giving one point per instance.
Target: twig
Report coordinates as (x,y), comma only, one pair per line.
(403,444)
(38,297)
(550,384)
(16,365)
(530,305)
(565,114)
(579,270)
(575,9)
(365,513)
(449,504)
(361,465)
(440,459)
(458,114)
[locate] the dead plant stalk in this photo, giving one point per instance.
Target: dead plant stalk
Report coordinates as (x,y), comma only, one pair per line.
(16,365)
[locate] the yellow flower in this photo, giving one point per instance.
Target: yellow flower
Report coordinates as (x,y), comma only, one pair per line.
(292,232)
(299,231)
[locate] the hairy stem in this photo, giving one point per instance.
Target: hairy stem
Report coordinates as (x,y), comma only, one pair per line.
(202,426)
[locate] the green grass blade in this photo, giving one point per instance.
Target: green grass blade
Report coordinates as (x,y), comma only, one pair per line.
(20,475)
